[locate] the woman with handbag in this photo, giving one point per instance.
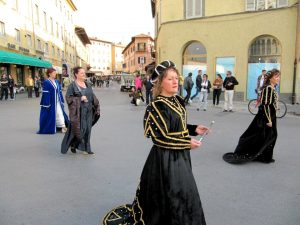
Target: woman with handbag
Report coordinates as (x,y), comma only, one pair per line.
(217,89)
(258,141)
(84,112)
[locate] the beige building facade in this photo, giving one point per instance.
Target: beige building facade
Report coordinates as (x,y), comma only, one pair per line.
(36,29)
(100,56)
(244,36)
(137,54)
(117,58)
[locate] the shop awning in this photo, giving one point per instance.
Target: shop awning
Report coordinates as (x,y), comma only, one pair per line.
(14,58)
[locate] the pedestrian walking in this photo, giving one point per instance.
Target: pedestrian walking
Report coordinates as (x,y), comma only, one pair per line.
(188,85)
(29,84)
(148,85)
(4,86)
(258,141)
(52,114)
(37,86)
(84,112)
(138,86)
(229,83)
(260,83)
(167,193)
(205,90)
(198,84)
(217,89)
(11,85)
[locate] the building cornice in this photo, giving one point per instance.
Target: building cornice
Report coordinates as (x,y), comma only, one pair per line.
(72,5)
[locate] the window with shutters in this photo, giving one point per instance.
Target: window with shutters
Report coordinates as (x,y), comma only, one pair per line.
(17,35)
(257,5)
(141,60)
(2,29)
(194,8)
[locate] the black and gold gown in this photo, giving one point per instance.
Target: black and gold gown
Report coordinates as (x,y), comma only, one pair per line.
(167,193)
(258,141)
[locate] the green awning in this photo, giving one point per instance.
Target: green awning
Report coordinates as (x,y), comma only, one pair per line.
(14,58)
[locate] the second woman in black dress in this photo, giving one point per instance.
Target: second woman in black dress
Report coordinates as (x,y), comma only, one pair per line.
(258,141)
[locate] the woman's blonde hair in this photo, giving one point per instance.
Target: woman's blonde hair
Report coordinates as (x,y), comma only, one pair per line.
(157,88)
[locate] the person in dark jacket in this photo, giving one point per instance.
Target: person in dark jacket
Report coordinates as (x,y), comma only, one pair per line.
(228,84)
(4,87)
(148,85)
(37,86)
(84,112)
(188,85)
(11,85)
(198,84)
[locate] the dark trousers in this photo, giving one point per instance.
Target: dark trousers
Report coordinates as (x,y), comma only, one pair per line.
(141,94)
(148,96)
(37,92)
(197,92)
(4,91)
(216,96)
(29,89)
(11,92)
(188,95)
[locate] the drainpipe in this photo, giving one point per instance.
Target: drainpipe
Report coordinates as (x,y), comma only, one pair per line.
(297,54)
(294,82)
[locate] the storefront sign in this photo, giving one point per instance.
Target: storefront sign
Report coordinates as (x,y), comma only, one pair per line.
(24,49)
(12,46)
(40,52)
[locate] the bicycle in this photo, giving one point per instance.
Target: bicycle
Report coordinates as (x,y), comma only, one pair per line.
(254,104)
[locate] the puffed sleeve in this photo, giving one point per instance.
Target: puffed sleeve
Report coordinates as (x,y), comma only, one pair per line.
(156,127)
(266,101)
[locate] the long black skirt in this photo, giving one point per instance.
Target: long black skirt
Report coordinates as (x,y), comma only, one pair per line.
(167,193)
(257,142)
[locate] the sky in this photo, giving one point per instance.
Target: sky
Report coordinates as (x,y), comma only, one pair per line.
(114,20)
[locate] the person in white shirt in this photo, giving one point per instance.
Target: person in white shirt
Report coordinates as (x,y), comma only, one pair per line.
(205,90)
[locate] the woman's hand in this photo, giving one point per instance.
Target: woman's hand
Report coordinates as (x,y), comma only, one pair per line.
(84,98)
(195,143)
(201,129)
(269,124)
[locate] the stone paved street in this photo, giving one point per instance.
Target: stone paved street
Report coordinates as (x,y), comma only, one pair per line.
(40,186)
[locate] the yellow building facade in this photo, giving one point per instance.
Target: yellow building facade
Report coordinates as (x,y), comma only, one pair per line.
(244,36)
(36,29)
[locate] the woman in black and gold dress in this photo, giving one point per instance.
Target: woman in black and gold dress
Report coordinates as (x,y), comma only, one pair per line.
(167,193)
(258,141)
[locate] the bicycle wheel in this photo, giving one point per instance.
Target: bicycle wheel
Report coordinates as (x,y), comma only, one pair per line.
(253,106)
(281,111)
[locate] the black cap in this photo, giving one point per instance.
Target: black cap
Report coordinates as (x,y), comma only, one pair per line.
(160,68)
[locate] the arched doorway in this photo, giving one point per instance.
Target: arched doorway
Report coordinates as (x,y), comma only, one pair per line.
(263,53)
(194,59)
